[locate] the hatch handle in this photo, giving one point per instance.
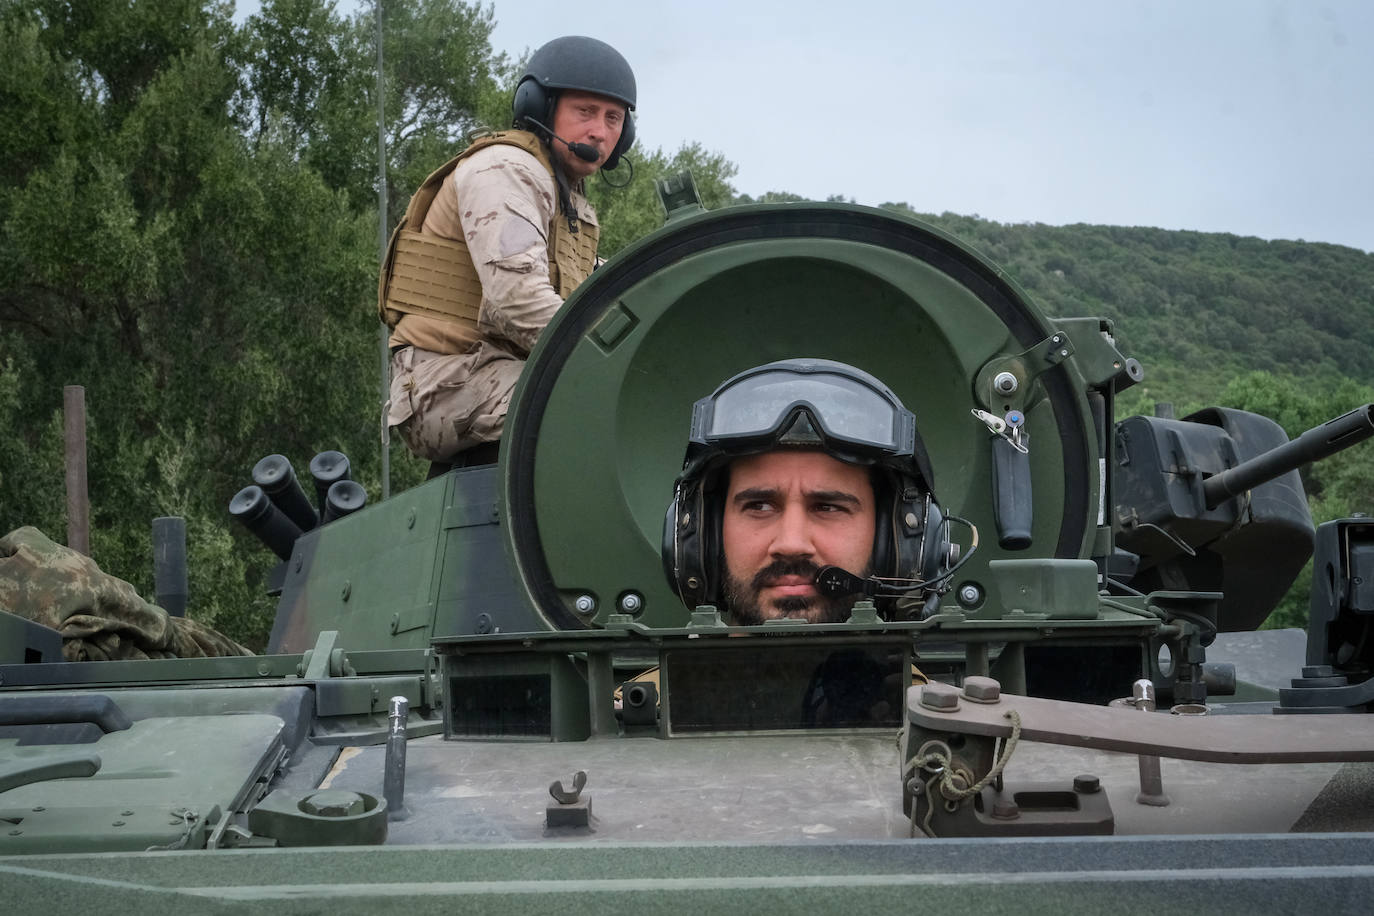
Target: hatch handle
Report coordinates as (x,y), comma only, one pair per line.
(20,773)
(97,709)
(1011,493)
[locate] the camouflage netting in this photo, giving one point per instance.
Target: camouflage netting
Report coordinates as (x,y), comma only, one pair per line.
(100,617)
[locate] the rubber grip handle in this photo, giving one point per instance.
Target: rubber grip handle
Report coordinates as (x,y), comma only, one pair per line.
(1011,495)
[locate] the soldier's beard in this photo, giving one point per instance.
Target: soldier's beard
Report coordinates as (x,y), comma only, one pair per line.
(745,607)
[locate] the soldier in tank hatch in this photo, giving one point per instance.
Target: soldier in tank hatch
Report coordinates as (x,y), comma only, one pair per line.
(492,244)
(795,466)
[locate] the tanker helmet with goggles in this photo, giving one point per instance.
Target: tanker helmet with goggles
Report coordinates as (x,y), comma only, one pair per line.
(808,404)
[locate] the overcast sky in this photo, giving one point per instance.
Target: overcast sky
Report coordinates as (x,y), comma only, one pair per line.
(1248,116)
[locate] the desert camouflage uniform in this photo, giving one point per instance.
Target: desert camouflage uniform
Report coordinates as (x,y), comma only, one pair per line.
(450,385)
(100,617)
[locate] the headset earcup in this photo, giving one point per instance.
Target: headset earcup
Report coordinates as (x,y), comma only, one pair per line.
(685,545)
(935,548)
(918,538)
(531,101)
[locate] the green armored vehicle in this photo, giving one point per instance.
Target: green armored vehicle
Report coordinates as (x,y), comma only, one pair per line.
(504,689)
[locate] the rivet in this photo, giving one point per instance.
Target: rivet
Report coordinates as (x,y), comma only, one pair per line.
(118,824)
(126,814)
(39,808)
(410,519)
(347,589)
(298,564)
(15,832)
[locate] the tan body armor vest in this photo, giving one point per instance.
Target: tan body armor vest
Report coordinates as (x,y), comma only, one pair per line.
(434,277)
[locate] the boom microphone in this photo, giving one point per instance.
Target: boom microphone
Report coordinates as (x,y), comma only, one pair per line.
(834,582)
(584,151)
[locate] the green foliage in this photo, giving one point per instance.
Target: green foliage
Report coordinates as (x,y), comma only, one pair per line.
(770,197)
(209,290)
(309,83)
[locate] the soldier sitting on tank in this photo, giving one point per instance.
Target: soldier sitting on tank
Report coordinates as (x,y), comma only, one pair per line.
(514,235)
(791,467)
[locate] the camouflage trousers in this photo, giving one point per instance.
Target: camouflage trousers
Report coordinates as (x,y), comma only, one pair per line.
(100,617)
(443,404)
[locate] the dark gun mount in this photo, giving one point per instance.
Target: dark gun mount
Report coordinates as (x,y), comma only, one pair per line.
(1213,502)
(1340,622)
(1315,444)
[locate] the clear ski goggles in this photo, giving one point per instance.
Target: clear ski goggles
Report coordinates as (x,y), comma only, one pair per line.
(764,407)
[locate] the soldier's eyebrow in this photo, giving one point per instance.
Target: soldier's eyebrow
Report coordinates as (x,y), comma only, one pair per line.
(751,494)
(834,496)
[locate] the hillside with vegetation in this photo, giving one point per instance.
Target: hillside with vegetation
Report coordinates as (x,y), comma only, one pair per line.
(188,228)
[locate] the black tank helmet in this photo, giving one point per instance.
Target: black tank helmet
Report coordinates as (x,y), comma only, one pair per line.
(811,404)
(575,62)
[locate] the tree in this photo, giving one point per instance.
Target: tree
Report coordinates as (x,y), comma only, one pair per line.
(209,290)
(310,84)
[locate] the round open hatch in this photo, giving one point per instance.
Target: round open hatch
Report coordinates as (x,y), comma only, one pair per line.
(598,425)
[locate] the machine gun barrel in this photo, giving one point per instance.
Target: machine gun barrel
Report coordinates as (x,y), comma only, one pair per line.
(1313,445)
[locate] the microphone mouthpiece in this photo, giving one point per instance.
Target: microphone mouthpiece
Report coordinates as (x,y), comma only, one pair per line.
(834,582)
(584,151)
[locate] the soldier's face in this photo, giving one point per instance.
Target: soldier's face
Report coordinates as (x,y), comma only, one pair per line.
(788,513)
(581,117)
